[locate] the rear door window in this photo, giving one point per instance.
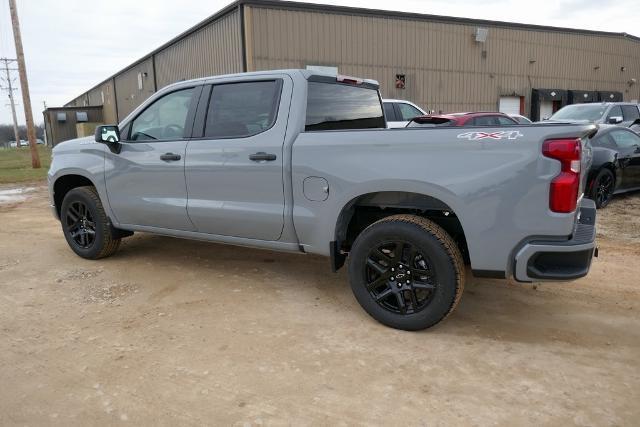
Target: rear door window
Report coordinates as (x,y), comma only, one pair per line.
(630,113)
(239,110)
(335,106)
(504,121)
(389,112)
(485,121)
(604,141)
(625,139)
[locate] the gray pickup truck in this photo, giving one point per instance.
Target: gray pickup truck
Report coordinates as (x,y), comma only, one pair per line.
(299,161)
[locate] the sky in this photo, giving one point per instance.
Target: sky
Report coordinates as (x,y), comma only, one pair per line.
(72,45)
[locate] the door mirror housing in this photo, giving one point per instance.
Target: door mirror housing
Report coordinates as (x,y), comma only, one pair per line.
(110,135)
(614,120)
(107,133)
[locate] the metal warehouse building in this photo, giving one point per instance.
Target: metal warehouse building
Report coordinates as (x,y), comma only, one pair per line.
(441,63)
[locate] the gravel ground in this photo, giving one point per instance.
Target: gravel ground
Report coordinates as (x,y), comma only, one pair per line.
(175,332)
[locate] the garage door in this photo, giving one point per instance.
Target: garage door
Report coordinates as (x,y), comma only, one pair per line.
(546,109)
(509,104)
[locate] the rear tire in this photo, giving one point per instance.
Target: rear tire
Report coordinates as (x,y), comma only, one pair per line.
(406,272)
(85,224)
(602,188)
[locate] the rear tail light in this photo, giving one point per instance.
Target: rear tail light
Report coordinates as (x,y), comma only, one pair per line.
(563,194)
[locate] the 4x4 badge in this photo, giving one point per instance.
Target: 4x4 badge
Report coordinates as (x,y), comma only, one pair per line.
(505,134)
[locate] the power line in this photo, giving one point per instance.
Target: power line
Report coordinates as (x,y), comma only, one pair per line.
(10,89)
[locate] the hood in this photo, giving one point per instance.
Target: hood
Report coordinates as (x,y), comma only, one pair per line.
(74,144)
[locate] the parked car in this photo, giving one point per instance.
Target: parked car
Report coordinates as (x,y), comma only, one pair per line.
(295,161)
(616,164)
(520,119)
(615,113)
(398,112)
(463,119)
(635,126)
(23,143)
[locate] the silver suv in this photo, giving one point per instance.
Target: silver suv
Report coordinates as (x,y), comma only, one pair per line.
(613,113)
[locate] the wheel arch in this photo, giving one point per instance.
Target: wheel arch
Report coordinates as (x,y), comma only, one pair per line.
(611,166)
(367,208)
(65,183)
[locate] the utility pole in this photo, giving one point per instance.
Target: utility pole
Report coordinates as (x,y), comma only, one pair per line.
(24,85)
(10,89)
(46,140)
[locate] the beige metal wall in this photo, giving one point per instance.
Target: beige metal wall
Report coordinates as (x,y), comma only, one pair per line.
(444,66)
(80,101)
(128,93)
(212,50)
(104,92)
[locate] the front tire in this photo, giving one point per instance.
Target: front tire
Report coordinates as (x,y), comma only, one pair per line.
(85,224)
(602,188)
(406,272)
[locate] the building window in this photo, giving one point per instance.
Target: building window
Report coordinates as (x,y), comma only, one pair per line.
(81,116)
(61,117)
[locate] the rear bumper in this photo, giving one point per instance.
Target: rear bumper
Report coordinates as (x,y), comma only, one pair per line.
(540,260)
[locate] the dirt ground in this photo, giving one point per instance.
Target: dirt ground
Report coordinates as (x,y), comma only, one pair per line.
(176,332)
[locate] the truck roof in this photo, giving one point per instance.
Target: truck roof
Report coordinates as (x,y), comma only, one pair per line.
(307,74)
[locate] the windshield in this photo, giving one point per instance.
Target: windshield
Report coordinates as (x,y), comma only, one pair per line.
(587,112)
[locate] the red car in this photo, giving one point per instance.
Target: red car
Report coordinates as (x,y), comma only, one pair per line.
(463,119)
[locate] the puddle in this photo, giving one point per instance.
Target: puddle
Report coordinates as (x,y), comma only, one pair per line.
(14,195)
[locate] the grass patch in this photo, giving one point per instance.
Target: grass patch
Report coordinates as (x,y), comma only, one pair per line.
(15,165)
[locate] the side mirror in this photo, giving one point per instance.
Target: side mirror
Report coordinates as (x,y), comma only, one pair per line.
(615,120)
(107,133)
(110,135)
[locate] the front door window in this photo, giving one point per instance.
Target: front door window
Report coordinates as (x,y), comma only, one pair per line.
(165,119)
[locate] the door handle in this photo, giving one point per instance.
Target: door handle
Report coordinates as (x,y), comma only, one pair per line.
(262,156)
(170,157)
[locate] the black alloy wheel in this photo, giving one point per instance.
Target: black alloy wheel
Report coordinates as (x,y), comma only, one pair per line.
(406,272)
(603,187)
(399,277)
(80,224)
(85,224)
